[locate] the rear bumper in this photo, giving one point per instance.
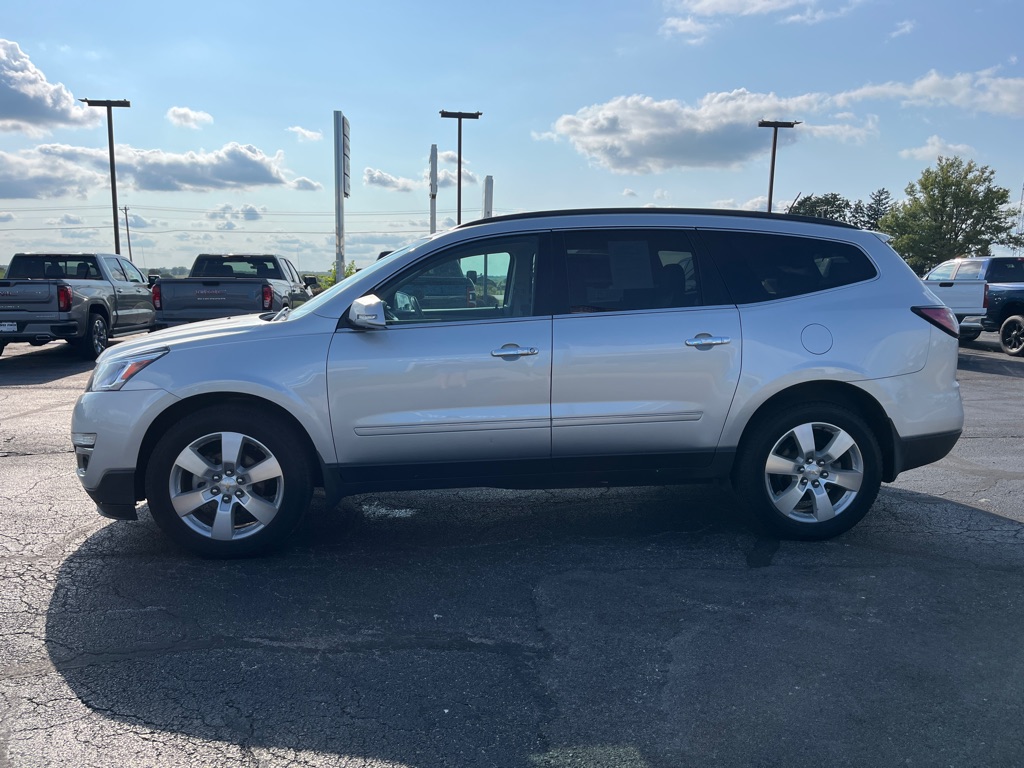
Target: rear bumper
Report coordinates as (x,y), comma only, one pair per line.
(41,331)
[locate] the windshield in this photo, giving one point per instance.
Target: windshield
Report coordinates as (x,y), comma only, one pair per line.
(324,298)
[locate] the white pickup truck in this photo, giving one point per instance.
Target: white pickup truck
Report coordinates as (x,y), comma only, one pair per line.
(985,294)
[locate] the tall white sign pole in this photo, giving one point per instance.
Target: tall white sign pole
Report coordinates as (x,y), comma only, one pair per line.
(488,210)
(342,185)
(433,188)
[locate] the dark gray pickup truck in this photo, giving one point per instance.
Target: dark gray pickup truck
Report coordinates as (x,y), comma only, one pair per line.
(222,285)
(83,298)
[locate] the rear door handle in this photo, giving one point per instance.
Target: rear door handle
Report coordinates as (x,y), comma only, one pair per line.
(707,340)
(514,350)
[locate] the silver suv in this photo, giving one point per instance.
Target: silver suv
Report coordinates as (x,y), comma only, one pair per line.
(799,358)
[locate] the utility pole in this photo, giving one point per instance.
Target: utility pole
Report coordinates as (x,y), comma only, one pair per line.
(110,140)
(460,116)
(774,125)
(128,232)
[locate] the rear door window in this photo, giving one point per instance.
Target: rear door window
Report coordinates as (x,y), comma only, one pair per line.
(1006,271)
(614,270)
(762,267)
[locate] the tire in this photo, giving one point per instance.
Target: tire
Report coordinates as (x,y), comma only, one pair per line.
(96,339)
(1011,335)
(792,483)
(199,499)
(967,336)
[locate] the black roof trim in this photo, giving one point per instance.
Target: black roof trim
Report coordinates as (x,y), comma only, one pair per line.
(728,212)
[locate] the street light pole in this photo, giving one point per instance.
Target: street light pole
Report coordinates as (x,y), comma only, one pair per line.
(775,125)
(110,140)
(460,116)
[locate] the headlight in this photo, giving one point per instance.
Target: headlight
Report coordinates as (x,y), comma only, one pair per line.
(112,374)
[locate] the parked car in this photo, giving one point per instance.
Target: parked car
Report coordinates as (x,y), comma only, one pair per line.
(223,285)
(82,298)
(800,358)
(985,293)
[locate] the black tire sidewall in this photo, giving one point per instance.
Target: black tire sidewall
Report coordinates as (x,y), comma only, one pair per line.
(280,439)
(1015,319)
(761,437)
(88,342)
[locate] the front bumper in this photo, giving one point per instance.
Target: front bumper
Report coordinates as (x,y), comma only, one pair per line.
(108,430)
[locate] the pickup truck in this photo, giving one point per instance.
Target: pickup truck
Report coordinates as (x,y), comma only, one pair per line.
(83,298)
(984,293)
(223,285)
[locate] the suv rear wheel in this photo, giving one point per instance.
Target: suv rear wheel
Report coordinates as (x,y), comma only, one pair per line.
(810,472)
(229,482)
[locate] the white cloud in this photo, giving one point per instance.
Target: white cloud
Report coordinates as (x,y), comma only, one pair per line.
(694,31)
(55,170)
(637,134)
(627,192)
(183,117)
(228,212)
(694,27)
(306,135)
(374,177)
(30,104)
(973,91)
(936,147)
(903,28)
(640,135)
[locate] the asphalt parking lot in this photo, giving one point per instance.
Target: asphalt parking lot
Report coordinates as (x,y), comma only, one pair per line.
(609,628)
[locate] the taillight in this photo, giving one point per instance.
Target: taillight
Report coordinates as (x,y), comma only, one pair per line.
(63,298)
(984,301)
(158,300)
(268,297)
(941,317)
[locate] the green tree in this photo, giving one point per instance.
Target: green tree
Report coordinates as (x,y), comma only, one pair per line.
(869,215)
(954,209)
(831,205)
(332,275)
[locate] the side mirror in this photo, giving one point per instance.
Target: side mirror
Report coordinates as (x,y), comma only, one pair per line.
(367,312)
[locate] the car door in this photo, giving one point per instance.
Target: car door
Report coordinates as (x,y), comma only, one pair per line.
(463,380)
(128,301)
(646,351)
(138,294)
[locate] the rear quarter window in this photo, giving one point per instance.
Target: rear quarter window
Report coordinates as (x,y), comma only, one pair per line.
(1006,271)
(762,267)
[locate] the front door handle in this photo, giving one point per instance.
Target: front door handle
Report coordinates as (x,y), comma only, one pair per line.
(707,340)
(514,350)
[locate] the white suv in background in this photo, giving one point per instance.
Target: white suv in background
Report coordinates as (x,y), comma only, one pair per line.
(801,358)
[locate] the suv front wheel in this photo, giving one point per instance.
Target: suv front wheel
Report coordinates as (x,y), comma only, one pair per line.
(810,472)
(229,482)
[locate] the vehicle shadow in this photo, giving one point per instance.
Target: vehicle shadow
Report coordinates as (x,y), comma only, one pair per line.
(25,366)
(626,627)
(984,355)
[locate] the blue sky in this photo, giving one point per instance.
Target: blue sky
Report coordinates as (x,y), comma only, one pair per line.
(228,144)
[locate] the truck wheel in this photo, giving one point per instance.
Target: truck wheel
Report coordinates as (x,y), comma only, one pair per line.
(96,337)
(1011,335)
(229,482)
(809,472)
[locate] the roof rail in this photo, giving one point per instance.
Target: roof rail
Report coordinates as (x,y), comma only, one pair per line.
(731,212)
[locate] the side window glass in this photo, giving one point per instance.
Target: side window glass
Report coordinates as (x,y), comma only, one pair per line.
(132,273)
(762,267)
(481,281)
(624,270)
(1006,271)
(969,270)
(942,272)
(115,269)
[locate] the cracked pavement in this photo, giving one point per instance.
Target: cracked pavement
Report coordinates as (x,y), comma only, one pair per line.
(631,628)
